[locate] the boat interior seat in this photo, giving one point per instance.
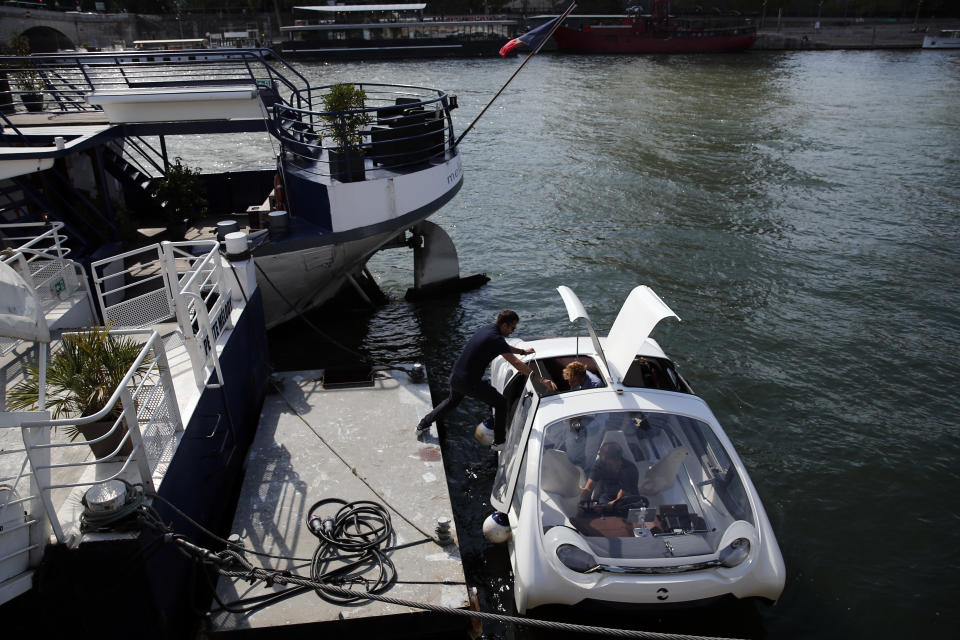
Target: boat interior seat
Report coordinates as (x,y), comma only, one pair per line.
(562,481)
(662,475)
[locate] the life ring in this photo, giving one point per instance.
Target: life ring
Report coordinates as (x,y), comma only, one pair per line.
(278,192)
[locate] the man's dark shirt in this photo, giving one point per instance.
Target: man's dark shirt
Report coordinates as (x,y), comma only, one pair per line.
(610,482)
(485,345)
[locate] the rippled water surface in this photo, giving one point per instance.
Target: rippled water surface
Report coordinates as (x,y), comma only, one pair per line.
(799,212)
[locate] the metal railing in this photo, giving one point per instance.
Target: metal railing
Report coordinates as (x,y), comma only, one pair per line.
(203,293)
(40,257)
(399,128)
(61,82)
(164,281)
(149,413)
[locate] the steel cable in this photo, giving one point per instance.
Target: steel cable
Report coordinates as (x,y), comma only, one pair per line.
(250,572)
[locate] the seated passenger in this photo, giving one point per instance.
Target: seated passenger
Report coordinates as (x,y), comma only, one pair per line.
(613,477)
(579,377)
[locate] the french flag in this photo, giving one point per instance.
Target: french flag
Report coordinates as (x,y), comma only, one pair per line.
(531,38)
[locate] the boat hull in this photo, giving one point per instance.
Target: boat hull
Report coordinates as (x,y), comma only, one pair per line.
(936,42)
(615,39)
(303,270)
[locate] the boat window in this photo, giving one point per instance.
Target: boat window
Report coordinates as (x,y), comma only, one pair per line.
(517,497)
(662,484)
(654,373)
(514,435)
(552,368)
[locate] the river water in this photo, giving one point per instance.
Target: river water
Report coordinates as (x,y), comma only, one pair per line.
(798,211)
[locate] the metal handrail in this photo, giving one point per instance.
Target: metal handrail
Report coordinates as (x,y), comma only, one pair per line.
(66,422)
(69,78)
(52,233)
(206,273)
(403,123)
(39,465)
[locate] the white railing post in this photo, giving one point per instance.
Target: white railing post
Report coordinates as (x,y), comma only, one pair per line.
(182,308)
(136,438)
(40,532)
(34,439)
(166,381)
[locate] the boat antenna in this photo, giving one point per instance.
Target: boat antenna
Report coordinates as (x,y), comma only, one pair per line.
(557,22)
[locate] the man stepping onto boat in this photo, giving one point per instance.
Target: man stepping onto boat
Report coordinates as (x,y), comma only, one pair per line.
(466,379)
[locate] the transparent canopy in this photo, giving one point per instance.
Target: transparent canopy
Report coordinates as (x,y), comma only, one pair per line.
(640,485)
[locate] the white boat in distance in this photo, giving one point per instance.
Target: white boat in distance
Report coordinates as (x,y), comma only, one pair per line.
(692,530)
(347,181)
(945,39)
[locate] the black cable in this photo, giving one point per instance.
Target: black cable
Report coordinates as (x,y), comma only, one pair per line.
(215,537)
(350,548)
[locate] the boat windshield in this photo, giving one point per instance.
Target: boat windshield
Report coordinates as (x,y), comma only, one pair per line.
(640,485)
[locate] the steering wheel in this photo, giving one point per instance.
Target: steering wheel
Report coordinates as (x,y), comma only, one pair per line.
(622,505)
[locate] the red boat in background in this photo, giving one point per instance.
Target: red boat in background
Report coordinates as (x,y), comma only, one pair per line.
(651,33)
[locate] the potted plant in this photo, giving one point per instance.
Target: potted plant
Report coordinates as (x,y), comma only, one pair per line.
(26,77)
(343,111)
(81,377)
(182,195)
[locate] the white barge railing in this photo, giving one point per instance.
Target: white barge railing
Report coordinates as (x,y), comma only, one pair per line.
(167,281)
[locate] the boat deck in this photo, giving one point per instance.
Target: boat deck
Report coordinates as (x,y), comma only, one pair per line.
(352,443)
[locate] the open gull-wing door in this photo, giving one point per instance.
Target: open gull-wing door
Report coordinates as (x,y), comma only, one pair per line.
(641,312)
(576,312)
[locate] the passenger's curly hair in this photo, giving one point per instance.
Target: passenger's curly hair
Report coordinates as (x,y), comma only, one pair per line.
(575,369)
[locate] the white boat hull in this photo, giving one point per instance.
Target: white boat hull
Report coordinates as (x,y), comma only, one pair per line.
(303,273)
(938,42)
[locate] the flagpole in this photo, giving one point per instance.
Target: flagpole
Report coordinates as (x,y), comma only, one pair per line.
(526,60)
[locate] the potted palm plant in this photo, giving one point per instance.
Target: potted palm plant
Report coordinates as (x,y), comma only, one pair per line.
(81,377)
(26,77)
(182,195)
(343,111)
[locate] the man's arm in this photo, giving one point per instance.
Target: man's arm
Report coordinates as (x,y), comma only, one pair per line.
(587,491)
(527,370)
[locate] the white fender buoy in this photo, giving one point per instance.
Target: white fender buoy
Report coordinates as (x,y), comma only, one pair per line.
(484,432)
(496,528)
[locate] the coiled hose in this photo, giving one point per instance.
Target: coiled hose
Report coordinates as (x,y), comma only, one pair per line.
(352,547)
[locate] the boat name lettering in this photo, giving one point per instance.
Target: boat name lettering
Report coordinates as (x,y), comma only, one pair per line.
(455,175)
(217,327)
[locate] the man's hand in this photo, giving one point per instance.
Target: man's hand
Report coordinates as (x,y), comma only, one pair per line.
(549,384)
